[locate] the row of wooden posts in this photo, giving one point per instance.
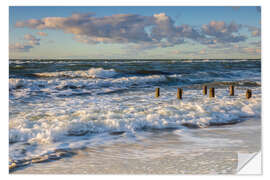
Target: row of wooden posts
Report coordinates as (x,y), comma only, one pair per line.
(211,92)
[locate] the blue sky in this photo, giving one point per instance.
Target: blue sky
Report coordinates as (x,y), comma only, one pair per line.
(134,32)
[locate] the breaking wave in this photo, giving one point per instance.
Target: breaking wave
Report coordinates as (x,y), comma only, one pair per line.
(91,73)
(49,117)
(70,120)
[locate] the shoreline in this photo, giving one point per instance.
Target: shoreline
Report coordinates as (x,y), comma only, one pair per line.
(162,153)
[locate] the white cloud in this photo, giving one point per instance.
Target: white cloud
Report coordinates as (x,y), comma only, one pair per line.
(19,47)
(223,32)
(42,33)
(255,31)
(30,42)
(131,28)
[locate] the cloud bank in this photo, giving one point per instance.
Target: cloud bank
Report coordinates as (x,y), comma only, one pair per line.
(30,42)
(42,33)
(20,47)
(223,32)
(158,30)
(255,31)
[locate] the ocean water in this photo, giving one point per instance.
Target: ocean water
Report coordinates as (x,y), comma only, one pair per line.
(57,107)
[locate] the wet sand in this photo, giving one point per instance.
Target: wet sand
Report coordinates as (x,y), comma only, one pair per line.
(212,150)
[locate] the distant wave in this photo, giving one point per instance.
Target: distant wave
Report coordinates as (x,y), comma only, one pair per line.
(59,84)
(151,72)
(80,87)
(91,73)
(236,83)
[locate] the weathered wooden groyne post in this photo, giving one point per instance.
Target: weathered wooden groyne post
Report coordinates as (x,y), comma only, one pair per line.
(231,90)
(179,93)
(204,90)
(248,93)
(157,92)
(212,92)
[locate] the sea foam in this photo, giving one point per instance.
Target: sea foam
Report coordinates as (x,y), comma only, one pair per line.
(91,73)
(54,112)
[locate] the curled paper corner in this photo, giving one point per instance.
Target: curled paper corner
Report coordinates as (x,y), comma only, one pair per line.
(249,163)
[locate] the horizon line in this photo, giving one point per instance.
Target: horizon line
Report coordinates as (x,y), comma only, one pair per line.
(135,59)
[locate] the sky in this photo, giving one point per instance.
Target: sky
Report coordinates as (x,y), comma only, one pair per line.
(145,32)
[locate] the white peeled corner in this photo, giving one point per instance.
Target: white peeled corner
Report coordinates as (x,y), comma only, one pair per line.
(249,163)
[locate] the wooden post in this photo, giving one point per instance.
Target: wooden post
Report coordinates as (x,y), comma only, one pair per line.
(157,92)
(179,93)
(231,90)
(248,93)
(204,90)
(212,92)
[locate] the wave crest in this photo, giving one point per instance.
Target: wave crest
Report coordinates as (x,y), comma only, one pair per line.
(90,73)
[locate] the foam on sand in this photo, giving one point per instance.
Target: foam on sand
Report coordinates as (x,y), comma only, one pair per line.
(69,120)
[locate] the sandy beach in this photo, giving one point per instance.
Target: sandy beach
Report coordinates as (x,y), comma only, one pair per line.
(155,153)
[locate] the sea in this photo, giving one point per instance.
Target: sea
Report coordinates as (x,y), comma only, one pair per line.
(60,108)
